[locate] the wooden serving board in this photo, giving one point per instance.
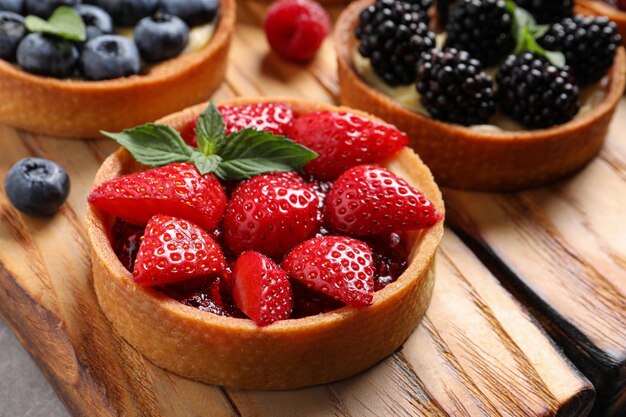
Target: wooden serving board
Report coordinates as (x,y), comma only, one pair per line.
(479,352)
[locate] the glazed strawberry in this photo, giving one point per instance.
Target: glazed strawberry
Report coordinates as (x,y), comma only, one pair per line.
(270,117)
(295,29)
(270,214)
(367,200)
(261,289)
(338,266)
(176,190)
(344,140)
(174,250)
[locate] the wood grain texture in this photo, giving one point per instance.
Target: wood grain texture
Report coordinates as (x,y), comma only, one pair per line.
(478,353)
(563,248)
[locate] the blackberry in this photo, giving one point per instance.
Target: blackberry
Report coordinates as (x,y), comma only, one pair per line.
(536,93)
(454,88)
(547,11)
(482,28)
(393,34)
(422,5)
(589,45)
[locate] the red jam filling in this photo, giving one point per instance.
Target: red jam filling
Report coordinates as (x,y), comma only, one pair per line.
(212,294)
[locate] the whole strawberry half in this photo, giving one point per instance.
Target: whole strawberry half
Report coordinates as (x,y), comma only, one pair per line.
(261,289)
(270,214)
(270,117)
(174,250)
(367,200)
(337,266)
(344,140)
(175,190)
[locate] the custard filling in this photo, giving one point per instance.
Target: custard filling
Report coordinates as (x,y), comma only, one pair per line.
(407,96)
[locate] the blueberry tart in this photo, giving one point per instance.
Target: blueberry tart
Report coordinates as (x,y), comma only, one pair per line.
(69,68)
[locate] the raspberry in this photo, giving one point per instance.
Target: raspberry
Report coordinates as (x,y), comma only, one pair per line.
(295,29)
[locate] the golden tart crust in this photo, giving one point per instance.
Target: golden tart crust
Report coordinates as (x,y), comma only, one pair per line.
(466,158)
(287,354)
(80,108)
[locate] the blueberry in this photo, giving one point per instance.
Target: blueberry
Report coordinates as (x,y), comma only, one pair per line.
(193,12)
(161,37)
(12,31)
(47,55)
(128,12)
(110,56)
(97,21)
(44,8)
(15,6)
(37,186)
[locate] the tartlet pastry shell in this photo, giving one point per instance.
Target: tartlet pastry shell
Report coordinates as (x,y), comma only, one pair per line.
(79,108)
(288,354)
(465,158)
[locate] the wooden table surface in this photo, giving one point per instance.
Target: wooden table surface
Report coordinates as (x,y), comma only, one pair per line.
(555,256)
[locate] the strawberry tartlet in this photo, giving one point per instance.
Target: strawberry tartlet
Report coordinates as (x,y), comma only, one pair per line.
(264,244)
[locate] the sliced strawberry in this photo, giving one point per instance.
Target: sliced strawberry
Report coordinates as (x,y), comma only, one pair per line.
(270,214)
(261,289)
(270,117)
(368,200)
(174,250)
(338,266)
(176,190)
(344,140)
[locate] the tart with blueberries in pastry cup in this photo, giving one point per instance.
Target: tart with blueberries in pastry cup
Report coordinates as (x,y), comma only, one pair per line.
(493,96)
(70,69)
(241,258)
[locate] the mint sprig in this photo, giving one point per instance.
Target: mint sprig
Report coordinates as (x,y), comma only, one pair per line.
(526,32)
(238,156)
(64,23)
(210,130)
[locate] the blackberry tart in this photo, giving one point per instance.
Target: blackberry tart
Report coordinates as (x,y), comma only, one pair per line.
(474,110)
(71,71)
(208,297)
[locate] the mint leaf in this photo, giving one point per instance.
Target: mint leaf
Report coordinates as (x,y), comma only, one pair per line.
(539,30)
(511,6)
(241,169)
(241,155)
(153,145)
(555,58)
(250,152)
(205,163)
(526,32)
(210,131)
(64,23)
